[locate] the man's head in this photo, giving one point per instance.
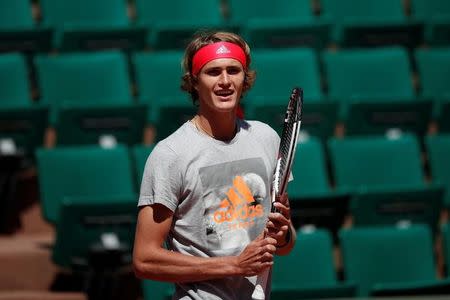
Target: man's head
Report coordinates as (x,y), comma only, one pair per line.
(208,46)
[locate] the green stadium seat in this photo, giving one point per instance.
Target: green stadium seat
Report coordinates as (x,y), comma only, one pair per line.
(433,67)
(445,230)
(90,96)
(140,154)
(309,170)
(435,14)
(386,179)
(22,126)
(171,24)
(371,23)
(292,275)
(438,148)
(286,24)
(390,260)
(91,25)
(158,80)
(157,290)
(20,119)
(312,200)
(101,175)
(18,30)
(268,98)
(376,90)
(95,240)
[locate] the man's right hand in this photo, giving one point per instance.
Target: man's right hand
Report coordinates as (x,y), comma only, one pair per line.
(257,256)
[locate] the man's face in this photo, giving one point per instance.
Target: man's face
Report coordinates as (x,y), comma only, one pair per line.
(219,85)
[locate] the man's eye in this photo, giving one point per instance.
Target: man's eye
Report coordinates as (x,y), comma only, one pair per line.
(234,71)
(213,72)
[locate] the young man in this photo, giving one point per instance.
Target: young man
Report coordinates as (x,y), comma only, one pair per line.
(206,188)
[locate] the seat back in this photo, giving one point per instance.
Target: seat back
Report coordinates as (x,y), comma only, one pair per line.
(84,230)
(309,264)
(438,147)
(309,170)
(178,12)
(299,67)
(86,79)
(84,172)
(426,10)
(15,14)
(14,85)
(433,66)
(369,74)
(158,78)
(59,14)
(242,11)
(387,255)
(157,290)
(445,230)
(376,162)
(365,10)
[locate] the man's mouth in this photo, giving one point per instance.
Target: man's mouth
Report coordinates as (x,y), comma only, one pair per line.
(224,93)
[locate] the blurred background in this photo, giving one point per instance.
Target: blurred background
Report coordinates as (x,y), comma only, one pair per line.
(87,87)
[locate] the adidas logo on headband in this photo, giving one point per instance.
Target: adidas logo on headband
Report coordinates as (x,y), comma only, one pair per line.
(222,50)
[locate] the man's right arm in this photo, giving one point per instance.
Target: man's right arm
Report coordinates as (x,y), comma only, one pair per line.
(152,261)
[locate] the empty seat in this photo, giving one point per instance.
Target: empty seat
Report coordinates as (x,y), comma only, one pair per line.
(371,23)
(386,179)
(171,24)
(376,90)
(309,170)
(21,120)
(309,270)
(435,14)
(90,97)
(390,260)
(157,290)
(286,24)
(158,79)
(83,173)
(95,240)
(312,200)
(433,66)
(445,230)
(438,148)
(278,72)
(18,30)
(91,24)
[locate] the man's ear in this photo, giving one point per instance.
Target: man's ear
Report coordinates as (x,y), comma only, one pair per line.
(195,83)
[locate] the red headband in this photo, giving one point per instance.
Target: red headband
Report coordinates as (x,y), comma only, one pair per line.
(215,51)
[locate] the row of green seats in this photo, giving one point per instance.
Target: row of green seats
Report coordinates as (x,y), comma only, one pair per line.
(376,179)
(370,90)
(95,24)
(90,94)
(377,261)
(384,176)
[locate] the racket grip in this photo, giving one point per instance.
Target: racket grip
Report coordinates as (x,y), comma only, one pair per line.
(261,282)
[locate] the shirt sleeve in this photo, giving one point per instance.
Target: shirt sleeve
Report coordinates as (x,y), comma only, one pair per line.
(161,181)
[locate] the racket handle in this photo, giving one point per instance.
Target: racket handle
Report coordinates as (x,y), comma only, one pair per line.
(261,282)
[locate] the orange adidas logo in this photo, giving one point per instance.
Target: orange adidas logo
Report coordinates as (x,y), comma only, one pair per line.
(239,204)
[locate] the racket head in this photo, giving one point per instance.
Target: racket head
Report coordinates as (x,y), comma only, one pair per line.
(288,142)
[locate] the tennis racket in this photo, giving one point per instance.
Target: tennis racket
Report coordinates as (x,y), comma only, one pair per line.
(286,154)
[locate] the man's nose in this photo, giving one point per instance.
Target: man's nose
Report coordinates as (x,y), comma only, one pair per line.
(224,78)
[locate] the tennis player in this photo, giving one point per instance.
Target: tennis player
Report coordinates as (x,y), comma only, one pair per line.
(206,188)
